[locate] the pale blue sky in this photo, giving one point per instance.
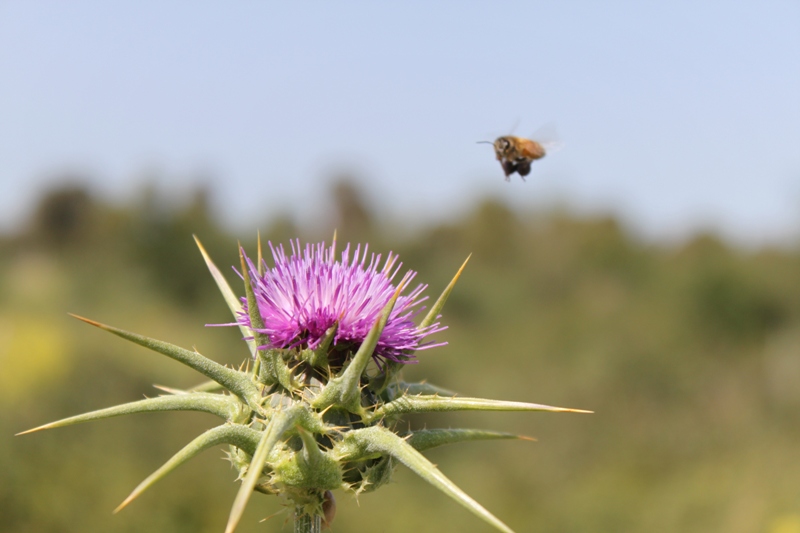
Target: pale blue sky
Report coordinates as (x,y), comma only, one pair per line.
(676,115)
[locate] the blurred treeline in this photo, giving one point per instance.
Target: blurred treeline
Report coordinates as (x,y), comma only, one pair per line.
(689,354)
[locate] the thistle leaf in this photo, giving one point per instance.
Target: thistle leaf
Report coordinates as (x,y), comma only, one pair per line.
(227,293)
(428,404)
(236,382)
(437,307)
(400,388)
(275,429)
(379,440)
(425,439)
(233,434)
(206,386)
(309,467)
(216,404)
(311,450)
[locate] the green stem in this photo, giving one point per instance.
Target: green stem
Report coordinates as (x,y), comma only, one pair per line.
(305,523)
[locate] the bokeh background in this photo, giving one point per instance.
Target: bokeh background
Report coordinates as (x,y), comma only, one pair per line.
(648,271)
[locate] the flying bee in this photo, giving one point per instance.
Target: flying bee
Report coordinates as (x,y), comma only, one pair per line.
(516,154)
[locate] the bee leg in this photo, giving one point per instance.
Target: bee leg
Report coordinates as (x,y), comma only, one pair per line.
(509,167)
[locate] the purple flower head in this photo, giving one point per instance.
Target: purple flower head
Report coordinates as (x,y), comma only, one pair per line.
(304,294)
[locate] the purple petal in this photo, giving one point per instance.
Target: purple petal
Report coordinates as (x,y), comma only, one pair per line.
(302,296)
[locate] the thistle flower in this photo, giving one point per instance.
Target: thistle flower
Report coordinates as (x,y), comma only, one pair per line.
(305,294)
(309,417)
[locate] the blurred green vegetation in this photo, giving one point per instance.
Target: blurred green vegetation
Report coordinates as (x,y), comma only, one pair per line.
(689,354)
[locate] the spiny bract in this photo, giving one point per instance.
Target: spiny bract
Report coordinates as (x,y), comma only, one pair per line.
(311,415)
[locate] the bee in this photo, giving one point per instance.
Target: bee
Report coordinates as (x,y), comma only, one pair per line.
(516,154)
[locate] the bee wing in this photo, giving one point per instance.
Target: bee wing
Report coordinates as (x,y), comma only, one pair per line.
(551,146)
(547,132)
(548,137)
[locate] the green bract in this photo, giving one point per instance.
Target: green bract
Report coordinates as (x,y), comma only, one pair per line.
(299,428)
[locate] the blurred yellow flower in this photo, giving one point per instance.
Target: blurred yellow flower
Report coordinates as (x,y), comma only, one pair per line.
(30,354)
(788,523)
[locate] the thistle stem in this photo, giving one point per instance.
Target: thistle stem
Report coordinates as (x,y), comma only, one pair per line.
(306,523)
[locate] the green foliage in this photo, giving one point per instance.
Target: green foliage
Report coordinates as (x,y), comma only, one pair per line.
(688,354)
